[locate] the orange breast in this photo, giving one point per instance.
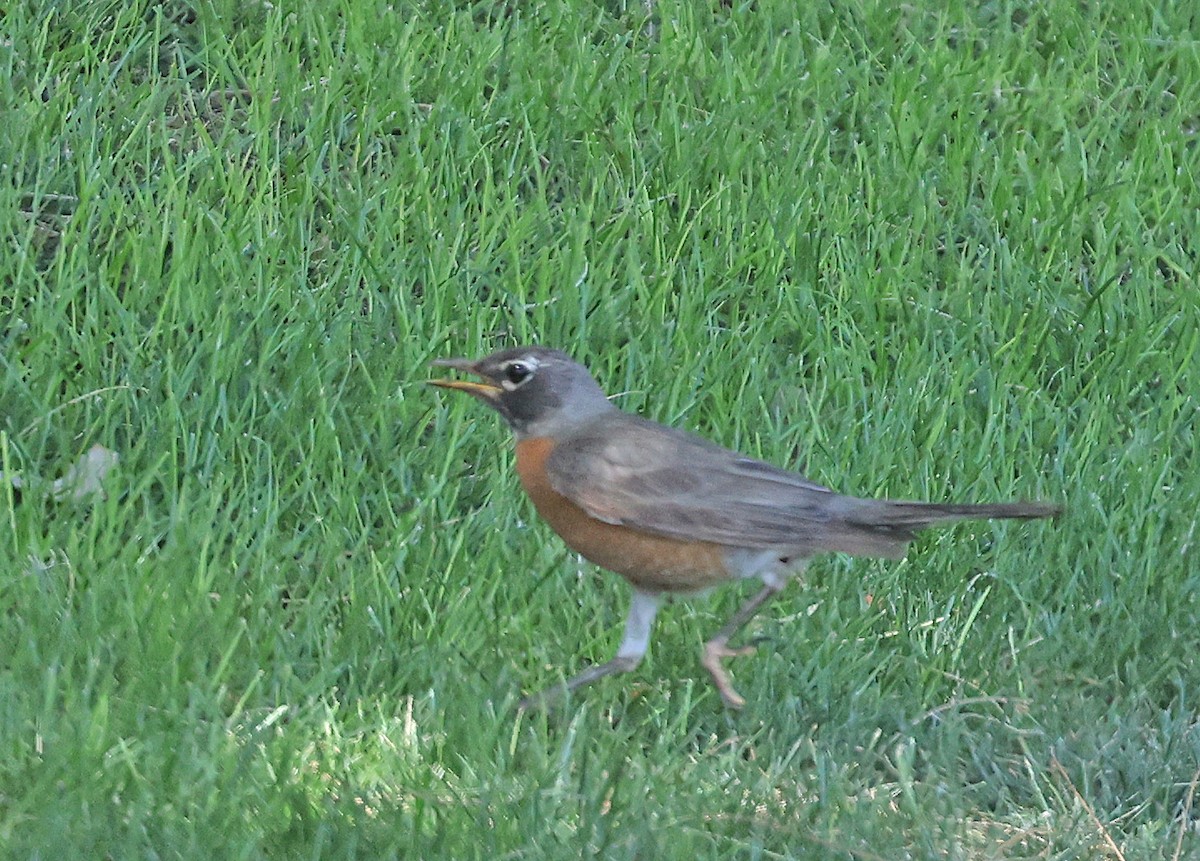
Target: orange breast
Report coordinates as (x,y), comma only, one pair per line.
(654,563)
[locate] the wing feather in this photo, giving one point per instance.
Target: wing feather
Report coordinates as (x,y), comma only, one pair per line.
(639,474)
(630,471)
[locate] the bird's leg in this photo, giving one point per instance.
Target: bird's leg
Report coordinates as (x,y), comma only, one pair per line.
(642,610)
(718,648)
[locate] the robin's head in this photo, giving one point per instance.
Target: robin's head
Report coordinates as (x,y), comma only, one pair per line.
(539,391)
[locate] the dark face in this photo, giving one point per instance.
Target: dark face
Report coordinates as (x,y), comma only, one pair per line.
(523,384)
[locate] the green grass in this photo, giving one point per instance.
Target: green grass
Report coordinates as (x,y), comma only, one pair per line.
(944,252)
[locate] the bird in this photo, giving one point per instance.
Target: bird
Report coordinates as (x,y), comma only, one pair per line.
(671,512)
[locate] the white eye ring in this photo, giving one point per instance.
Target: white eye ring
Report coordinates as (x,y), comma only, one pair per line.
(518,372)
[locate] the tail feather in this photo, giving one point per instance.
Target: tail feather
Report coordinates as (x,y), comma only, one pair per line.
(881,527)
(918,515)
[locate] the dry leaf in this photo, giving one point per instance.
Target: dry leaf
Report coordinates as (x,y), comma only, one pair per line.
(84,478)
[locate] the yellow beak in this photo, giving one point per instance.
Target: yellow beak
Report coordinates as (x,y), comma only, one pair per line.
(484,389)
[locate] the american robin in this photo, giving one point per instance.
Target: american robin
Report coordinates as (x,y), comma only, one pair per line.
(673,513)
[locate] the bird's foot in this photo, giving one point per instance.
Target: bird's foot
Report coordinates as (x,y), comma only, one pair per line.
(557,693)
(715,651)
(543,699)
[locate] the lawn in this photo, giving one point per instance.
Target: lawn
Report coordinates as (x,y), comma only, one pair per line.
(943,251)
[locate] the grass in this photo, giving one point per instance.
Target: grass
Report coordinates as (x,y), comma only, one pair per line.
(933,253)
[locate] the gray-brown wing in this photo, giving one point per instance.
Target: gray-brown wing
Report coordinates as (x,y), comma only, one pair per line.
(656,479)
(635,473)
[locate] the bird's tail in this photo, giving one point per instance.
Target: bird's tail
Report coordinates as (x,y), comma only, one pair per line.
(883,527)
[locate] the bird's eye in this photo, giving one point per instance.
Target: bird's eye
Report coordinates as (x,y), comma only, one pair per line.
(517,372)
